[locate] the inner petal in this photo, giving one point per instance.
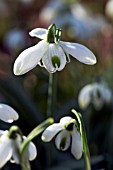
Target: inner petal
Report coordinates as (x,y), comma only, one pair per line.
(55,58)
(62,140)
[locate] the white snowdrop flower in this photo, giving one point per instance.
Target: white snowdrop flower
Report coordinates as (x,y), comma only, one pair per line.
(51,53)
(9,149)
(98,94)
(7,113)
(65,134)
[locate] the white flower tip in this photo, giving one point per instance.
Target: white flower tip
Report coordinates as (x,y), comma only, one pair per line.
(18,72)
(7,113)
(91,60)
(79,156)
(31,34)
(16,69)
(44,138)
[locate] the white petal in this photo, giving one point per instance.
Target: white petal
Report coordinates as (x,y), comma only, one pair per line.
(76,148)
(29,153)
(65,120)
(7,113)
(29,58)
(51,131)
(106,94)
(32,151)
(39,33)
(97,96)
(84,97)
(54,50)
(16,146)
(80,52)
(62,140)
(5,149)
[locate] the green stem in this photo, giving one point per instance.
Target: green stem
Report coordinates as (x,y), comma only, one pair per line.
(51,108)
(86,149)
(24,161)
(51,94)
(84,140)
(34,133)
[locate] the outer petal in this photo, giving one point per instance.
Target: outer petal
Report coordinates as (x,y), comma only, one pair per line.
(7,113)
(76,148)
(16,146)
(51,131)
(65,120)
(80,52)
(84,97)
(5,149)
(97,96)
(29,58)
(54,50)
(62,140)
(107,95)
(32,151)
(39,33)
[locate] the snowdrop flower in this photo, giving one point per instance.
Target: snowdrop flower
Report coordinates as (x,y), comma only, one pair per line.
(9,148)
(7,113)
(50,52)
(96,93)
(66,134)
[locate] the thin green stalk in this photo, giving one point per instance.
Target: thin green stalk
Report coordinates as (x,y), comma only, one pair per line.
(34,133)
(86,150)
(24,160)
(51,109)
(51,94)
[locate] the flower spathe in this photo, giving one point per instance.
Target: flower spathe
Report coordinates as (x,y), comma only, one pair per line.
(51,53)
(9,149)
(66,134)
(7,113)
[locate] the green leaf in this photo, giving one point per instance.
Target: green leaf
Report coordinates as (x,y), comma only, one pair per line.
(84,140)
(34,133)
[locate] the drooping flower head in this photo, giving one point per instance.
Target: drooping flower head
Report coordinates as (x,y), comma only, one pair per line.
(97,94)
(10,143)
(66,133)
(50,52)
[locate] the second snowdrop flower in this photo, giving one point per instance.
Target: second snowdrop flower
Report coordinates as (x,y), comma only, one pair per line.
(10,142)
(96,94)
(66,134)
(51,53)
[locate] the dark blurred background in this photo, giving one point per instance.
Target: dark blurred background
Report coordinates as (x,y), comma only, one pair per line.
(89,22)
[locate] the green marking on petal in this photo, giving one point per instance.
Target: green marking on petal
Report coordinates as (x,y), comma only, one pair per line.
(56,61)
(63,143)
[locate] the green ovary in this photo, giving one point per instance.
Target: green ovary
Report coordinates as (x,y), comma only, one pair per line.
(56,61)
(63,143)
